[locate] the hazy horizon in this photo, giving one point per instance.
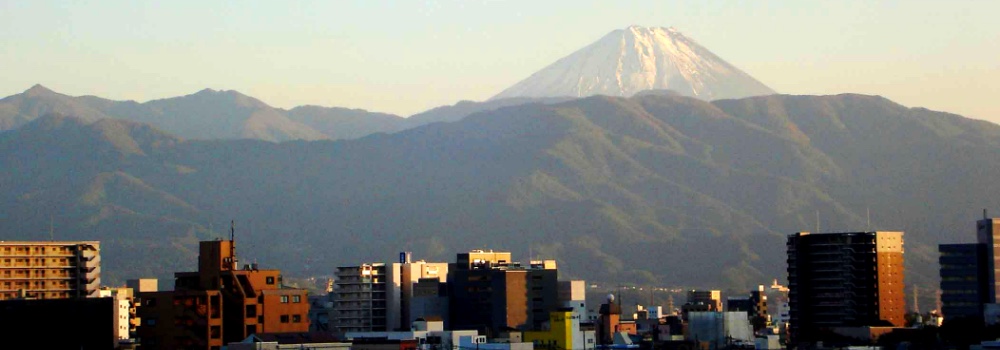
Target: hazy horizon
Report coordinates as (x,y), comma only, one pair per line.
(404,58)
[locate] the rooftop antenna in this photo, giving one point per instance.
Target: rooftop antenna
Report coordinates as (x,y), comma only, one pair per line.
(51,230)
(232,243)
(916,306)
(868,213)
(817,220)
(984,214)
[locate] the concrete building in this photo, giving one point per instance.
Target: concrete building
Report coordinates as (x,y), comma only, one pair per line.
(964,280)
(721,330)
(291,341)
(429,335)
(143,285)
(849,279)
(777,306)
(712,298)
(573,294)
(220,304)
(124,313)
(969,280)
(137,286)
(406,275)
(754,304)
(489,293)
(563,332)
(608,321)
(362,302)
(988,234)
(430,301)
(49,270)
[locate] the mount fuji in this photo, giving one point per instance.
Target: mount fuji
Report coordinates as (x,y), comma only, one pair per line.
(627,61)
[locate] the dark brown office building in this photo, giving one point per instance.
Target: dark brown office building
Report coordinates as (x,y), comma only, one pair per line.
(968,273)
(489,293)
(220,304)
(987,231)
(850,279)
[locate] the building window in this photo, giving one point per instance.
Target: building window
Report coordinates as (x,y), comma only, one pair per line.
(284,318)
(215,332)
(284,299)
(269,280)
(296,298)
(296,318)
(251,311)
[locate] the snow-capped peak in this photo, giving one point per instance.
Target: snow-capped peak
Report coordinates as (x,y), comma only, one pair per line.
(630,60)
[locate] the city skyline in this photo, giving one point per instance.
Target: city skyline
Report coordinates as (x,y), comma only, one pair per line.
(409,57)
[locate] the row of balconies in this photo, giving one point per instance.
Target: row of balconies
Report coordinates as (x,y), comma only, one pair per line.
(17,253)
(357,308)
(4,288)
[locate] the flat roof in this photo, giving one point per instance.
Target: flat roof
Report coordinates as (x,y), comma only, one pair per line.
(48,242)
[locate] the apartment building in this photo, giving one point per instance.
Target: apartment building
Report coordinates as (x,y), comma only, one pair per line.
(361,299)
(49,270)
(220,304)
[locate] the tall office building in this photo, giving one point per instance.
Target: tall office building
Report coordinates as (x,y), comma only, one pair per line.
(49,270)
(988,234)
(488,292)
(220,304)
(968,273)
(846,279)
(964,280)
(361,302)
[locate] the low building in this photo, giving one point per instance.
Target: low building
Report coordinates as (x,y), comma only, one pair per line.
(291,341)
(711,298)
(429,334)
(720,330)
(563,332)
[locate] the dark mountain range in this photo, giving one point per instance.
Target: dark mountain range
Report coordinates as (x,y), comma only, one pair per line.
(657,189)
(211,114)
(464,109)
(344,123)
(207,114)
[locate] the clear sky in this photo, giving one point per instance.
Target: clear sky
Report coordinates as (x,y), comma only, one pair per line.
(407,56)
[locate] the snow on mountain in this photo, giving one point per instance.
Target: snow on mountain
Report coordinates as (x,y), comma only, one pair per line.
(630,60)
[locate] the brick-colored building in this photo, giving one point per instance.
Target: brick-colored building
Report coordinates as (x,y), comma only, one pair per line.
(851,279)
(220,304)
(49,270)
(490,293)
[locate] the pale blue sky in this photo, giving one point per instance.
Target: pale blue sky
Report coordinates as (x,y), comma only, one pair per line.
(404,57)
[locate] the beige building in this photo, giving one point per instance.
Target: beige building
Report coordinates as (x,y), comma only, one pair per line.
(407,276)
(124,312)
(49,270)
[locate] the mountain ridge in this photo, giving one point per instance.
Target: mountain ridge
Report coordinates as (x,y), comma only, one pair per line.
(601,184)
